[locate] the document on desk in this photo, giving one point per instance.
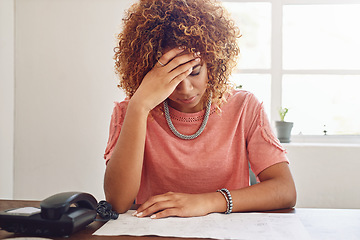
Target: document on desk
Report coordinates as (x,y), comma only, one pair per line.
(216,225)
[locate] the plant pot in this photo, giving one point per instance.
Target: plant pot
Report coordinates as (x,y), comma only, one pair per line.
(283,130)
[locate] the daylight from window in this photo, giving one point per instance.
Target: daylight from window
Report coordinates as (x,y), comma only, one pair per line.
(319,59)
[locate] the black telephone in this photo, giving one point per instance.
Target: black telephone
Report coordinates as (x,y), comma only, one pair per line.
(60,215)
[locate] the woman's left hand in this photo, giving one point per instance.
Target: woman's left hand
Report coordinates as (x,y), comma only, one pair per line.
(176,204)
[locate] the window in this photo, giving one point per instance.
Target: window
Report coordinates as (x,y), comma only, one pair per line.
(303,55)
(255,48)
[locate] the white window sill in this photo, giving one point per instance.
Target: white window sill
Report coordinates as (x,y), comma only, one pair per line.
(325,140)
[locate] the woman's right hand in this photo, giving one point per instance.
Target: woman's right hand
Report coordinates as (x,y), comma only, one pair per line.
(161,80)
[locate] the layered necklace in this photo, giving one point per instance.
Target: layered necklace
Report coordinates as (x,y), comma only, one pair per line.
(202,127)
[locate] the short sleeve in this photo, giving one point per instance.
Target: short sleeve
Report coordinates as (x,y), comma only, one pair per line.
(117,119)
(264,149)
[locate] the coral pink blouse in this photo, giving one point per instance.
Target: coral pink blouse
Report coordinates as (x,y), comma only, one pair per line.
(218,158)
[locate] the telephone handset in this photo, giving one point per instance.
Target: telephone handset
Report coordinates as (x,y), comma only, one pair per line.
(60,215)
(56,206)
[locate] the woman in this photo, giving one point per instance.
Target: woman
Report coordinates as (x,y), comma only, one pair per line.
(181,142)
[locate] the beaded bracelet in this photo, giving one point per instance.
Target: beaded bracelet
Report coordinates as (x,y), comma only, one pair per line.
(228,198)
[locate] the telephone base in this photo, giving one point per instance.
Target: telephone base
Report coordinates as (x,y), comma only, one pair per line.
(33,224)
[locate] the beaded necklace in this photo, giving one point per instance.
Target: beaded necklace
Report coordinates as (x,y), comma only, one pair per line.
(201,129)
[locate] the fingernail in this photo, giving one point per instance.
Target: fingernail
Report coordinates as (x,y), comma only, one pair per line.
(134,214)
(153,216)
(197,54)
(181,47)
(197,59)
(139,214)
(190,69)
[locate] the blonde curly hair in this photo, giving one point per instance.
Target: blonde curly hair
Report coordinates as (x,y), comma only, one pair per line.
(202,26)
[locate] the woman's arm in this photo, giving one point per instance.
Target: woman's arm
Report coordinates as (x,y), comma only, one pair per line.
(275,191)
(123,171)
(122,174)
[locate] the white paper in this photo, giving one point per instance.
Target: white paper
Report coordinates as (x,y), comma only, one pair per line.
(219,226)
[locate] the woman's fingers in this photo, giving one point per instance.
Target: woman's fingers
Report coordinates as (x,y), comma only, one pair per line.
(179,67)
(158,209)
(161,81)
(169,55)
(176,65)
(169,212)
(176,60)
(180,60)
(174,204)
(182,72)
(158,206)
(153,204)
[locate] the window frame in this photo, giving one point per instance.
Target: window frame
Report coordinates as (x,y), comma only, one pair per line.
(277,72)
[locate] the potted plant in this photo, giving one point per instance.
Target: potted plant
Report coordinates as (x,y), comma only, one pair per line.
(283,128)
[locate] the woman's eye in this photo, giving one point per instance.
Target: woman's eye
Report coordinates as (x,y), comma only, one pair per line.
(196,70)
(195,73)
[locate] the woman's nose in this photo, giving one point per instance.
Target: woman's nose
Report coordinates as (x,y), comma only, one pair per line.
(184,86)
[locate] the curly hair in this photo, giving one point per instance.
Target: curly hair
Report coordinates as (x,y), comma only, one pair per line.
(202,26)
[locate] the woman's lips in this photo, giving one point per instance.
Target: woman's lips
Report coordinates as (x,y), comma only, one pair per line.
(188,100)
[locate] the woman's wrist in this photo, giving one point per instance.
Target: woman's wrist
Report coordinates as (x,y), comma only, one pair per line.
(216,202)
(138,107)
(228,198)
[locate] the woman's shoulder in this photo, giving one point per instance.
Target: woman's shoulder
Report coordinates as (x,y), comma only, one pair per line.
(121,105)
(243,98)
(120,109)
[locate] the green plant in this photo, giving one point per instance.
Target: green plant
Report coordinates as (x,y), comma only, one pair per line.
(282,113)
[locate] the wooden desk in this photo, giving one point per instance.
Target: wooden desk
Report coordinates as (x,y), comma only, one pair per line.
(320,223)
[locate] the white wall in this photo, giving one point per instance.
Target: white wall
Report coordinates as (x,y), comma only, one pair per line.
(64,94)
(6,98)
(326,175)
